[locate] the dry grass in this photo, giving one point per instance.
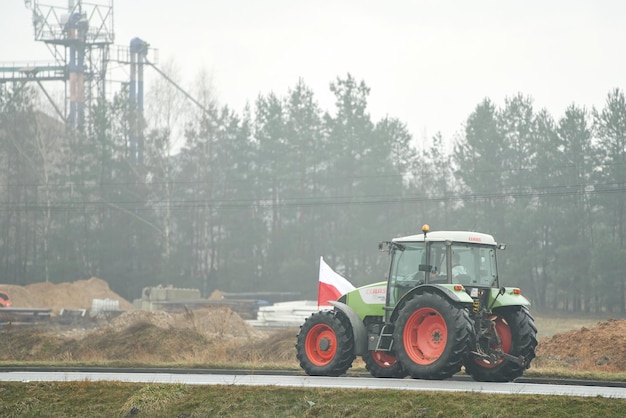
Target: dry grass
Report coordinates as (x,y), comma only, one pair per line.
(154,399)
(114,399)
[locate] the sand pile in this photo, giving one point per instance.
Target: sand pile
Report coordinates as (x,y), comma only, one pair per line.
(75,295)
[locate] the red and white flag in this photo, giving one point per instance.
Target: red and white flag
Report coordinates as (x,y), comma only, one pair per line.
(331,285)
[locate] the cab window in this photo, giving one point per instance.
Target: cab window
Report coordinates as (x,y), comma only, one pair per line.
(405,269)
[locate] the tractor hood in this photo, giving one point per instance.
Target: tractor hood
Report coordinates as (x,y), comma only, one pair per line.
(367,300)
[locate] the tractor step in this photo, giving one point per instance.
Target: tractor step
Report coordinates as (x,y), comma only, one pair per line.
(384,340)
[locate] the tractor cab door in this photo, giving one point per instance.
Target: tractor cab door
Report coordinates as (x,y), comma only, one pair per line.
(438,264)
(406,271)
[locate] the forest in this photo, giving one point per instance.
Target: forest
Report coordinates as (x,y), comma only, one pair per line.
(249,202)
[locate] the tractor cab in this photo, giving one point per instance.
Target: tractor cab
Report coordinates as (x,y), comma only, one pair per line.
(441,257)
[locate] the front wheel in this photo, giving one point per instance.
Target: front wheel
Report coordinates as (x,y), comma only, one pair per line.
(431,337)
(383,364)
(325,346)
(513,332)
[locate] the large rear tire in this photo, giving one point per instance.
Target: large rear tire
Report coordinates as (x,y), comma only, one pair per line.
(518,337)
(431,337)
(325,345)
(383,364)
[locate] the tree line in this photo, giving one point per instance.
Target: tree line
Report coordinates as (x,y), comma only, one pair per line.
(250,201)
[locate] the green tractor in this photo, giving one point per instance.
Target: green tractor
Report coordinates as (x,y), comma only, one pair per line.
(441,309)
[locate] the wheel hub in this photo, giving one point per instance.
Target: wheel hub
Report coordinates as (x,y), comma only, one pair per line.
(324,344)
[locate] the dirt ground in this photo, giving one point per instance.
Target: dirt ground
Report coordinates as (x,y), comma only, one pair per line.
(601,347)
(217,334)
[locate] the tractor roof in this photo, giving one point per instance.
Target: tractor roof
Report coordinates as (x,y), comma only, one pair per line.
(457,236)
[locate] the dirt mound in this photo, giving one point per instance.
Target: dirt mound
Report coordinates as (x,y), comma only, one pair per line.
(160,319)
(276,348)
(214,321)
(142,341)
(218,321)
(600,347)
(152,338)
(75,295)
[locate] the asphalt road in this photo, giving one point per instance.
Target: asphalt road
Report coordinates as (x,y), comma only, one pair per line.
(224,378)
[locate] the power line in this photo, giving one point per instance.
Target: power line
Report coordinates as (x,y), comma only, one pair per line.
(320,177)
(313,201)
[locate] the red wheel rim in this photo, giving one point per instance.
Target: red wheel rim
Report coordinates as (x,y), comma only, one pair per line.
(321,344)
(506,339)
(383,359)
(425,336)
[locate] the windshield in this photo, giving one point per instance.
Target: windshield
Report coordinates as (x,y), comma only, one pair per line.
(472,264)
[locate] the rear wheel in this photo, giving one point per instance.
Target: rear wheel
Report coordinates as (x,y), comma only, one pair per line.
(431,337)
(383,364)
(516,335)
(325,346)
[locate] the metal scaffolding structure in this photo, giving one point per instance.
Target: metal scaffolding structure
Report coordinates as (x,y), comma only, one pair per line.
(79,34)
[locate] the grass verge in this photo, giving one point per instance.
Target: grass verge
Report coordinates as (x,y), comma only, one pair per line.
(80,399)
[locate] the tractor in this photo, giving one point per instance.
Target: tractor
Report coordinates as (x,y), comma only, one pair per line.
(441,309)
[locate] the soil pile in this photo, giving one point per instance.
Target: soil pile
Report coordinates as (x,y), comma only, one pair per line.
(601,347)
(210,322)
(75,295)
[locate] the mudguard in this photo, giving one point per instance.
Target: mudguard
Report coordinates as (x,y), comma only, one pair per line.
(446,290)
(358,328)
(512,296)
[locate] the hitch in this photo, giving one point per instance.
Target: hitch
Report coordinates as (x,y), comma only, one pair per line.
(495,355)
(520,361)
(493,344)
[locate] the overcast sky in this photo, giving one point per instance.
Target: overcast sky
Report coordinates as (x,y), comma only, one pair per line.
(428,63)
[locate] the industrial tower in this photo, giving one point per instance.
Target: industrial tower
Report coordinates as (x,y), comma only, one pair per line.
(80,37)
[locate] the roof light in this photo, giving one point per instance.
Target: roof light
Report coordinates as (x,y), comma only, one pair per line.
(425,229)
(458,287)
(517,291)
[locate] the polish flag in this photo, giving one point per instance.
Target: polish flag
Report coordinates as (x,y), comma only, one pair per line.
(331,285)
